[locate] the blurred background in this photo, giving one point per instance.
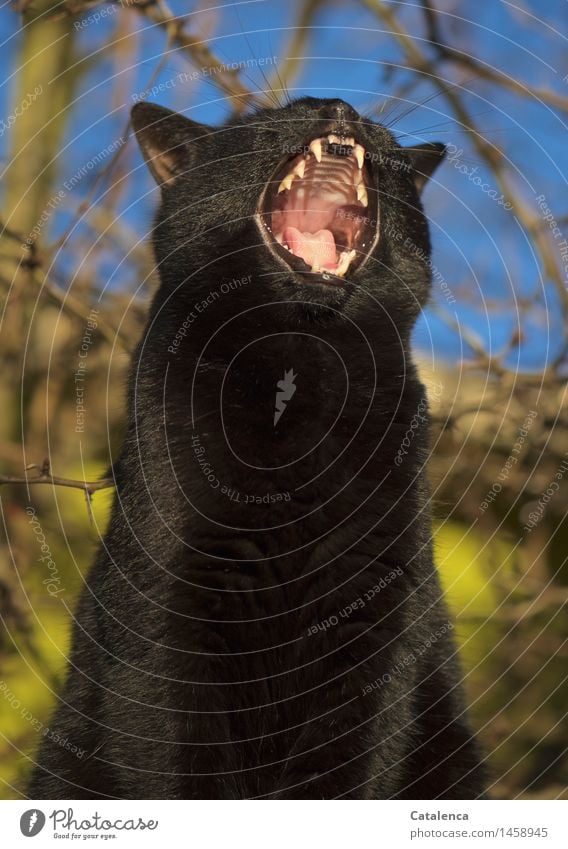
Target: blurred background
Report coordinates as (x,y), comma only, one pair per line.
(488,79)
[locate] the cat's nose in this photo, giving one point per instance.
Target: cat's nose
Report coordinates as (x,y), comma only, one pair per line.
(337,110)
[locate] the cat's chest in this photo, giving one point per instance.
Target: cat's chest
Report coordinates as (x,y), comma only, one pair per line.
(279,408)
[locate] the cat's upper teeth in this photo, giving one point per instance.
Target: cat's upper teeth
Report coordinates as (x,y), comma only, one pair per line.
(347,141)
(297,171)
(362,194)
(359,153)
(300,169)
(315,147)
(286,182)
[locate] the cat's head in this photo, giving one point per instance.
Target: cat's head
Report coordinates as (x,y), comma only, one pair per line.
(318,204)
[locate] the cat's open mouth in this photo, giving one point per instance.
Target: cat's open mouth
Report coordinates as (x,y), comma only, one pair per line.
(319,210)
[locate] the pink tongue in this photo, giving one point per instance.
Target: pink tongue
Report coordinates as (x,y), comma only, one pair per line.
(316,249)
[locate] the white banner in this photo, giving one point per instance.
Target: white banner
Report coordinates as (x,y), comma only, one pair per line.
(285,825)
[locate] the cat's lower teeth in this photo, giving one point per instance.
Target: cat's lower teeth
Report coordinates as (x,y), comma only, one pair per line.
(319,255)
(344,262)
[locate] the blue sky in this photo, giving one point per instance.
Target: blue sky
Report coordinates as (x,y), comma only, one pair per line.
(480,249)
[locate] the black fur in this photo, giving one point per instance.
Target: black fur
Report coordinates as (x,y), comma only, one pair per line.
(232,649)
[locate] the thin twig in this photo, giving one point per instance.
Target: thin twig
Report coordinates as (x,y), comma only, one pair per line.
(487,151)
(197,50)
(482,69)
(45,477)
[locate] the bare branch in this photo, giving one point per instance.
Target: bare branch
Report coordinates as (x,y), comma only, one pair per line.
(198,52)
(492,157)
(482,69)
(45,477)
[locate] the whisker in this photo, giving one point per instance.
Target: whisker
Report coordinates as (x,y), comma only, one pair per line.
(269,91)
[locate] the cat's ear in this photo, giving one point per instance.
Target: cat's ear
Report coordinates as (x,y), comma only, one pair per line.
(424,159)
(165,138)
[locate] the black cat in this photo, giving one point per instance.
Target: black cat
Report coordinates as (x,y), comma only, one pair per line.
(264,618)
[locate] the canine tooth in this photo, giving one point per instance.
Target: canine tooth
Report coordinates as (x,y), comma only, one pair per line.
(286,183)
(300,169)
(315,147)
(346,258)
(362,195)
(359,152)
